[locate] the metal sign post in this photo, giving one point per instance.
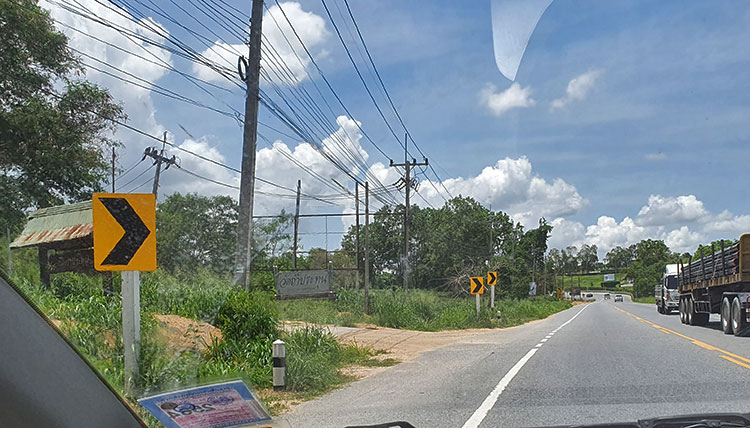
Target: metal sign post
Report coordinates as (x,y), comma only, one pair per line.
(476,287)
(125,240)
(492,282)
(131,324)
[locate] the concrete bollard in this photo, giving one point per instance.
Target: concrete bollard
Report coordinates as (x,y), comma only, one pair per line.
(279,365)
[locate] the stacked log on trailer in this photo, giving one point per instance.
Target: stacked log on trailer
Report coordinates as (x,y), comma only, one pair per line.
(723,265)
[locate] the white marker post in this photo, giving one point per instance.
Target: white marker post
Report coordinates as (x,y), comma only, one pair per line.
(478,297)
(131,324)
(492,297)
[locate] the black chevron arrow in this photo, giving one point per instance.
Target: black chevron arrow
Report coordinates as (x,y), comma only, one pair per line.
(492,278)
(135,231)
(477,285)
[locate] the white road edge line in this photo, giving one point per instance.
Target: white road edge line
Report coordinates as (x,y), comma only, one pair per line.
(478,416)
(543,340)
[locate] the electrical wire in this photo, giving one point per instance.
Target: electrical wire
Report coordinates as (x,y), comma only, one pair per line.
(390,100)
(138,176)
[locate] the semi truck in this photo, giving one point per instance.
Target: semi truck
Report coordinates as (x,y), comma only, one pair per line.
(717,283)
(666,294)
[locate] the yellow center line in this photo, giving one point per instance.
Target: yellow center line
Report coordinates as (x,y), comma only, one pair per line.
(739,363)
(727,355)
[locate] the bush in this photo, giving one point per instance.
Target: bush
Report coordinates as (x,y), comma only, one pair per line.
(248,316)
(75,285)
(313,357)
(391,310)
(251,360)
(197,297)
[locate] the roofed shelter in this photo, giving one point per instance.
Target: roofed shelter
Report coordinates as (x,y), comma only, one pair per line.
(64,235)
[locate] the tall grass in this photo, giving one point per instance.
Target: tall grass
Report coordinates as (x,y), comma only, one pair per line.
(417,310)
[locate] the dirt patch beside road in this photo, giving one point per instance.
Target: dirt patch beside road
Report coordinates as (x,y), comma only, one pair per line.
(397,344)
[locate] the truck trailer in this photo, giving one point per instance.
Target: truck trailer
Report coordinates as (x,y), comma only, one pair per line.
(718,283)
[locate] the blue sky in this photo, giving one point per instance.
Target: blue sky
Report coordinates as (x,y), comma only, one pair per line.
(655,131)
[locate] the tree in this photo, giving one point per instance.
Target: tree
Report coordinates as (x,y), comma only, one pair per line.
(588,257)
(52,143)
(201,232)
(651,257)
(620,258)
(448,242)
(196,231)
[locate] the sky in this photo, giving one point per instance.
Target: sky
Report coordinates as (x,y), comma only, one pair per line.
(626,120)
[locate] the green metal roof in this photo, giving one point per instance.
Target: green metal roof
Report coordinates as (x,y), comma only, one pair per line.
(56,224)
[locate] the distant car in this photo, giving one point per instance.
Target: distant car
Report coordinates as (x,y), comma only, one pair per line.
(618,297)
(606,296)
(589,295)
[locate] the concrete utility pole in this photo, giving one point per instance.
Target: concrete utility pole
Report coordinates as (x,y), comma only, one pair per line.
(243,257)
(356,210)
(158,165)
(296,225)
(407,183)
(367,248)
(159,158)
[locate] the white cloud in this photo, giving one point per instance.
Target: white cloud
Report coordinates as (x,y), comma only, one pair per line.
(500,102)
(655,156)
(577,88)
(511,186)
(726,222)
(310,28)
(662,210)
(136,100)
(681,222)
(683,239)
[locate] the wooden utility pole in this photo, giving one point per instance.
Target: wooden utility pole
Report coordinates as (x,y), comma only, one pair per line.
(296,225)
(367,248)
(356,210)
(408,185)
(243,257)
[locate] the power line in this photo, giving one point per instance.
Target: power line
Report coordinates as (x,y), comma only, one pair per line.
(138,176)
(388,96)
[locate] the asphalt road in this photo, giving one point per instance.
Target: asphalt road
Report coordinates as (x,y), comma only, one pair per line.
(595,363)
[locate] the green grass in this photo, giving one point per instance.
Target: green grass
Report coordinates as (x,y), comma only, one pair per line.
(592,281)
(648,299)
(416,310)
(91,320)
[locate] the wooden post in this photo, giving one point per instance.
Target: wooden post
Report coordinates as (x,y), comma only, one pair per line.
(10,254)
(44,265)
(367,248)
(296,226)
(356,209)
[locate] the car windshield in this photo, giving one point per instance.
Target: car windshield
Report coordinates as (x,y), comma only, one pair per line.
(345,213)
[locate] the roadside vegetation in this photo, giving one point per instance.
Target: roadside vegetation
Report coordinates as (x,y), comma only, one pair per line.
(649,299)
(249,323)
(418,310)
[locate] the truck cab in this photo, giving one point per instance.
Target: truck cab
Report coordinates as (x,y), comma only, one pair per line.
(666,294)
